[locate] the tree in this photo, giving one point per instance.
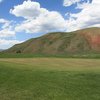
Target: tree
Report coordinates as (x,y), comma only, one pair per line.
(19,51)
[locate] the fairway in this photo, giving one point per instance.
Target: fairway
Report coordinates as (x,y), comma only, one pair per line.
(49,79)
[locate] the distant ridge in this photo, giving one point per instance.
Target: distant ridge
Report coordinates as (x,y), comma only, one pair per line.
(85,40)
(1,50)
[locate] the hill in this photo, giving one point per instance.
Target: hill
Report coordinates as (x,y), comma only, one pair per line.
(81,41)
(1,50)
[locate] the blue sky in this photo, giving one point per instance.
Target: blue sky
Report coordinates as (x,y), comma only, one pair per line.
(24,19)
(52,5)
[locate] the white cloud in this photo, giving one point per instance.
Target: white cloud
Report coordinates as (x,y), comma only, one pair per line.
(3,20)
(4,44)
(6,33)
(88,17)
(5,23)
(28,10)
(38,19)
(70,2)
(6,29)
(52,21)
(41,20)
(96,1)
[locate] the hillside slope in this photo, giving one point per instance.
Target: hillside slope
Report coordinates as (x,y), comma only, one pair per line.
(86,40)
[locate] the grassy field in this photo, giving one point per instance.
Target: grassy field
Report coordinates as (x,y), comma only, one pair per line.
(76,55)
(49,79)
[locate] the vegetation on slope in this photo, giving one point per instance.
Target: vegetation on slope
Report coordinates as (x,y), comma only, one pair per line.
(82,41)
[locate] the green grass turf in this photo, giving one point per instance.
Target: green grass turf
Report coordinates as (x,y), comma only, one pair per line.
(49,79)
(77,55)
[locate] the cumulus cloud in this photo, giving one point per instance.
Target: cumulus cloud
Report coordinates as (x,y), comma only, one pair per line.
(41,20)
(4,44)
(6,33)
(88,17)
(52,21)
(38,19)
(6,29)
(28,10)
(5,23)
(3,20)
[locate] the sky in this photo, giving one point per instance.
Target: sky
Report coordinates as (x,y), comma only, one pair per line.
(21,20)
